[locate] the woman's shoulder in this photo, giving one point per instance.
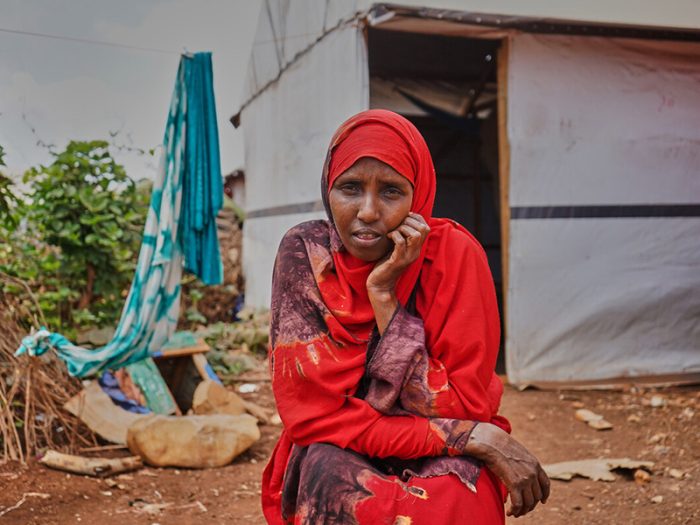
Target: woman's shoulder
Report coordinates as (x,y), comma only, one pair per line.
(315,231)
(447,234)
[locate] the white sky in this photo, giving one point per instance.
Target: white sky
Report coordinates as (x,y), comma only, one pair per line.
(71,90)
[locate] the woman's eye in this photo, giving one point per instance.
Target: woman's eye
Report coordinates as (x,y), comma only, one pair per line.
(350,187)
(393,192)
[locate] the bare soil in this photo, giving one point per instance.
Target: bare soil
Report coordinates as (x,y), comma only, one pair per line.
(544,421)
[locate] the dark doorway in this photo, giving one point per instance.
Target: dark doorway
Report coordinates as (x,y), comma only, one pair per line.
(447,86)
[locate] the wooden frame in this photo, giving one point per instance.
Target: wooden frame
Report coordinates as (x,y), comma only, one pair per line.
(504,171)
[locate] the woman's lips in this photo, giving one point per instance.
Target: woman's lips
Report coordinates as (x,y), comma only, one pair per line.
(366,239)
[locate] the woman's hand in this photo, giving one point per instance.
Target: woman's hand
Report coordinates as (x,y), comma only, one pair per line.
(519,470)
(408,241)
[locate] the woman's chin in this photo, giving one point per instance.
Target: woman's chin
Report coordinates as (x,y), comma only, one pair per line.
(370,253)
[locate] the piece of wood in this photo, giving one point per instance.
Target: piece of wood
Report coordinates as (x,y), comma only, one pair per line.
(90,466)
(96,410)
(103,448)
(202,367)
(504,169)
(200,348)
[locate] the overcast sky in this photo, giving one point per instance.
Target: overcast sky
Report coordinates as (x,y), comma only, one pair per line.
(74,90)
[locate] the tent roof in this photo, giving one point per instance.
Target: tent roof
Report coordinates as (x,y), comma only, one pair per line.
(279,44)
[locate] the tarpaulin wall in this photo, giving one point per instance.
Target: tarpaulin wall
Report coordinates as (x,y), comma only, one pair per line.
(604,262)
(288,127)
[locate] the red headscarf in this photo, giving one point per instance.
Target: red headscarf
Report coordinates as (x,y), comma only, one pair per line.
(390,138)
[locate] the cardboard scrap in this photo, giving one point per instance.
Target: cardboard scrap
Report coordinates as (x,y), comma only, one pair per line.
(595,469)
(98,412)
(147,378)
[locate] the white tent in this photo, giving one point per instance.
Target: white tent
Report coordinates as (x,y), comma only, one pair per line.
(571,148)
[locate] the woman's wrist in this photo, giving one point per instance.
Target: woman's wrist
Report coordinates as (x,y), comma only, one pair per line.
(384,303)
(381,295)
(483,441)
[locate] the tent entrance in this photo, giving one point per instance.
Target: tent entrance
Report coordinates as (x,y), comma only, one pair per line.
(447,86)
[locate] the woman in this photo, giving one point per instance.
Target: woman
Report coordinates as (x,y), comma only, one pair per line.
(384,339)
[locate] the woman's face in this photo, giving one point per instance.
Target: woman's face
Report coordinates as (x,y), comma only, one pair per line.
(367,201)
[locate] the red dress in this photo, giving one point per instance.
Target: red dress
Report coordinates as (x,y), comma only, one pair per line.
(374,427)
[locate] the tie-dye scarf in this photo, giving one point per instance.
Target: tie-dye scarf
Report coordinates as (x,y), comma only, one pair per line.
(180,229)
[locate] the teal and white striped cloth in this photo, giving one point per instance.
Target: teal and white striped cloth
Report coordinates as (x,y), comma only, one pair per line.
(180,231)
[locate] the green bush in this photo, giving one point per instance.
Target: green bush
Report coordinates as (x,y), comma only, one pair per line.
(76,236)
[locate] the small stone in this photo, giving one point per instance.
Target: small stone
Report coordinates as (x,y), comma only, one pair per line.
(676,474)
(275,419)
(248,388)
(634,418)
(657,499)
(577,404)
(641,477)
(657,402)
(593,420)
(531,417)
(110,483)
(600,425)
(657,438)
(106,492)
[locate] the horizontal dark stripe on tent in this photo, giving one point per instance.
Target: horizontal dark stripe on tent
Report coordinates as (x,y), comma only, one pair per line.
(287,209)
(639,211)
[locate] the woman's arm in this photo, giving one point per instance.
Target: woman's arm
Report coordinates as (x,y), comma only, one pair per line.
(408,240)
(401,367)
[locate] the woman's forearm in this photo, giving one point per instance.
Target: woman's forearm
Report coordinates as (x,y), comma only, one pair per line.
(384,303)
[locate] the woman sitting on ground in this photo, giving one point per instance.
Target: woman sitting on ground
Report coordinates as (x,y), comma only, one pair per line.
(384,337)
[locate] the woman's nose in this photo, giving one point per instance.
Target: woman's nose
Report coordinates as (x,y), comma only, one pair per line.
(369,210)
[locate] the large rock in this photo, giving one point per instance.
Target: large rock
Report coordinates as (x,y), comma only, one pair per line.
(192,441)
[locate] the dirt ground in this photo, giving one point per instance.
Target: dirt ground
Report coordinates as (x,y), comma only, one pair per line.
(544,421)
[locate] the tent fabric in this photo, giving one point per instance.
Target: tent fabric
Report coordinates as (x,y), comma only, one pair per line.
(591,122)
(183,208)
(286,134)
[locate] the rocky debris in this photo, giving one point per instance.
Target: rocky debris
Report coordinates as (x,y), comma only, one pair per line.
(593,420)
(192,441)
(212,398)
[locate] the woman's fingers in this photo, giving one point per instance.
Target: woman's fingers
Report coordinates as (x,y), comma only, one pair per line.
(529,500)
(399,251)
(516,503)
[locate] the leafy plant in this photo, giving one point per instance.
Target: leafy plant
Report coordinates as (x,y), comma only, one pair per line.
(81,232)
(9,201)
